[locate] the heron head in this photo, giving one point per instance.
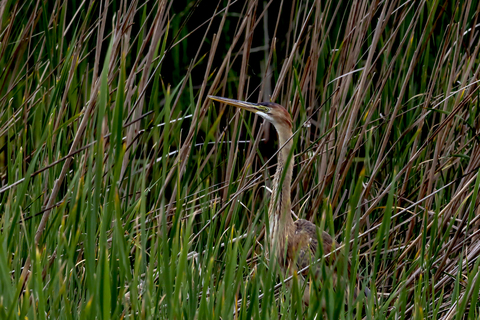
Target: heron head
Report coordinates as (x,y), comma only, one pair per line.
(270,111)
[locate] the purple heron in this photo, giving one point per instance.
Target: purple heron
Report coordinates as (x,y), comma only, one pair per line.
(294,242)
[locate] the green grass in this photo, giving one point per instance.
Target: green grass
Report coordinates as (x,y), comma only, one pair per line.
(126,193)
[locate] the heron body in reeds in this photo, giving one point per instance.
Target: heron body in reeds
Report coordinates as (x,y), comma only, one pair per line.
(294,242)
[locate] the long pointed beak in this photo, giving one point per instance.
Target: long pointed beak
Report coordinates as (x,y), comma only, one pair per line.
(253,107)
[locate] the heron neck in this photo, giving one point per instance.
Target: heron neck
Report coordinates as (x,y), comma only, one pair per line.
(280,216)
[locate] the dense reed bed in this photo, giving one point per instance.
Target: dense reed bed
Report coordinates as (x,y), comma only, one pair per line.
(126,193)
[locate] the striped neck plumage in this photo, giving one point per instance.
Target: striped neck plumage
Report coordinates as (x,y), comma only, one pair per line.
(279,213)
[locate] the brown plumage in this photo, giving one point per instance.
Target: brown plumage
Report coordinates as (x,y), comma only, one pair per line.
(299,237)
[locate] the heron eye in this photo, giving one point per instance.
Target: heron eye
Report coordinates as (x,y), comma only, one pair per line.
(265,109)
